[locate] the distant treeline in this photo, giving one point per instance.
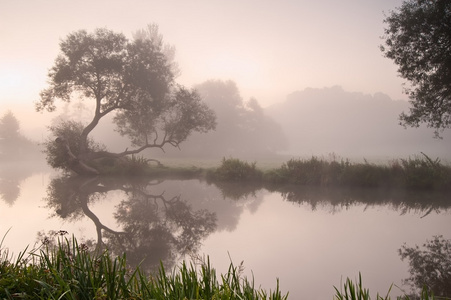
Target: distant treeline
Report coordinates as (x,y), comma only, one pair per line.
(14,146)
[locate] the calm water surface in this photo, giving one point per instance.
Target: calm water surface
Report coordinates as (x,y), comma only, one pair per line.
(311,239)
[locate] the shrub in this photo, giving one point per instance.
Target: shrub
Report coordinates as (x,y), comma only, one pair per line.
(236,170)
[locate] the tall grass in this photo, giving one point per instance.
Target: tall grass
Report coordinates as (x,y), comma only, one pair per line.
(417,172)
(70,271)
(356,291)
(412,173)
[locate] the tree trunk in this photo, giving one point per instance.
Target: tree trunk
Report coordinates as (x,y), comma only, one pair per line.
(75,164)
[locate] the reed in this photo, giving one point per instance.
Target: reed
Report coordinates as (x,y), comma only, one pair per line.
(70,271)
(419,172)
(356,291)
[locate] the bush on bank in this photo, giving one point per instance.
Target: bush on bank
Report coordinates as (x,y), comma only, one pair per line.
(233,169)
(412,173)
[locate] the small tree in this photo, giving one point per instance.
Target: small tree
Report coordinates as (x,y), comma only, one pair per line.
(13,144)
(430,266)
(9,127)
(418,40)
(134,80)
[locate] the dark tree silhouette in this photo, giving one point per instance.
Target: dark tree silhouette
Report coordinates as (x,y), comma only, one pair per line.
(430,266)
(418,40)
(131,79)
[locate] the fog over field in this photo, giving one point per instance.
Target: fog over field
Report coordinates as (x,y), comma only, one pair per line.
(299,78)
(352,125)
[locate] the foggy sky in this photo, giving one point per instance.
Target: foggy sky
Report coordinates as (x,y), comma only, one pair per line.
(269,48)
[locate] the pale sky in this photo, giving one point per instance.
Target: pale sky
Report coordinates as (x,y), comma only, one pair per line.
(269,48)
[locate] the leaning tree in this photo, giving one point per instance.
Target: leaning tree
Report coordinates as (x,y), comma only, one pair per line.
(132,79)
(418,40)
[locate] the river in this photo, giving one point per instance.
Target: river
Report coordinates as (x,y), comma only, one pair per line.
(311,239)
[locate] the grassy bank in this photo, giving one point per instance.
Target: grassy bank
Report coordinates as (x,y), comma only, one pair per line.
(419,172)
(71,271)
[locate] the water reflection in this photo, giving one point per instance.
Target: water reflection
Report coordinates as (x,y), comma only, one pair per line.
(153,227)
(163,220)
(429,266)
(404,201)
(166,219)
(12,175)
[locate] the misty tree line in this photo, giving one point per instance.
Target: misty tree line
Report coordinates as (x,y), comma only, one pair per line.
(132,84)
(243,129)
(13,144)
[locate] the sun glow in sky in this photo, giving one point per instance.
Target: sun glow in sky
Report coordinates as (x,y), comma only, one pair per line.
(269,48)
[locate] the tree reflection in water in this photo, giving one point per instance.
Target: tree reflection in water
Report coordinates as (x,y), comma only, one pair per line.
(430,266)
(153,228)
(404,201)
(12,174)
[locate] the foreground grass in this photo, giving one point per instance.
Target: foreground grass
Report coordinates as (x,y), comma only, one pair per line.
(70,271)
(355,291)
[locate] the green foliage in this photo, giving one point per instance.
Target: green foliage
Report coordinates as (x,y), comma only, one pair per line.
(430,266)
(366,175)
(233,169)
(132,79)
(136,165)
(56,153)
(418,39)
(322,172)
(133,165)
(356,291)
(314,171)
(424,173)
(412,173)
(70,271)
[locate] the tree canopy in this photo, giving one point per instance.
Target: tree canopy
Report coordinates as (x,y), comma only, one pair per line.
(132,79)
(418,40)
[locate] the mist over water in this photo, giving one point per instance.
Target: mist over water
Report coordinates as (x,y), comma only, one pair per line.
(311,238)
(286,80)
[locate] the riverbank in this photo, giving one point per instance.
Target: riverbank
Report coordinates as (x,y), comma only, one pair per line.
(414,173)
(70,270)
